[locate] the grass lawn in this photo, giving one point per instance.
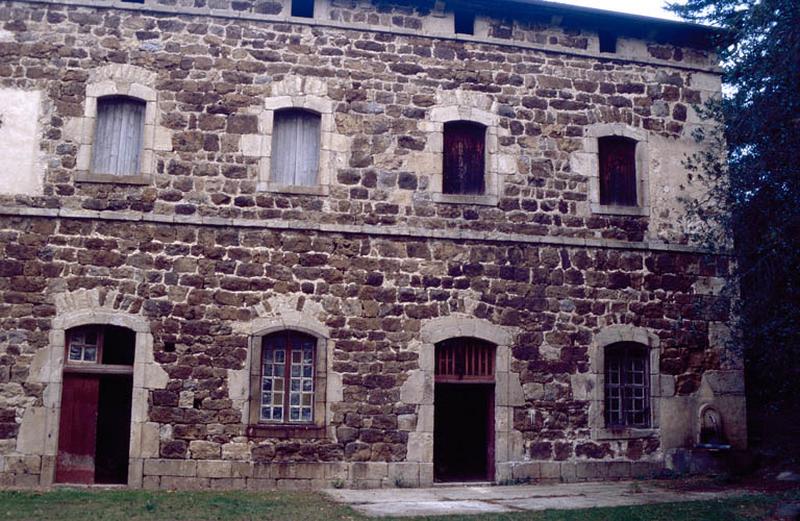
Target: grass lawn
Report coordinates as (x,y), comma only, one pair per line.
(139,505)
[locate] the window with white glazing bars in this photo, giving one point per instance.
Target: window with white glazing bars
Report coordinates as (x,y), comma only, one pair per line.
(287,378)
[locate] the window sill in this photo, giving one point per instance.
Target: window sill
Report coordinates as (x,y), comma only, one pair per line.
(286,431)
(87,177)
(607,209)
(483,200)
(623,433)
(293,189)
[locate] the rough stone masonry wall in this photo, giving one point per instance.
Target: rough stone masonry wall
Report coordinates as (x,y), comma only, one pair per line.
(214,252)
(213,76)
(194,284)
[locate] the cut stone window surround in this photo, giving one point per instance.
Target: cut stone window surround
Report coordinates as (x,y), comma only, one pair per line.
(118,81)
(595,381)
(298,93)
(301,323)
(587,163)
(441,115)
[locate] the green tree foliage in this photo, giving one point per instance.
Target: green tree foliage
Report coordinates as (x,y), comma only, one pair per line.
(757,182)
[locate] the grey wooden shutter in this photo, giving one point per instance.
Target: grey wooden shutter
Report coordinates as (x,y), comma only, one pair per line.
(295,148)
(118,136)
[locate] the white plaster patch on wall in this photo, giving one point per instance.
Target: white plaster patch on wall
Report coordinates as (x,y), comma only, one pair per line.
(20,170)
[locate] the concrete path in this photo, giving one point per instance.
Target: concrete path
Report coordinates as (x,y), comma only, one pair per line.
(491,500)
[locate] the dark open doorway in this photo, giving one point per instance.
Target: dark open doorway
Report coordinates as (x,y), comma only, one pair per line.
(95,425)
(463,420)
(463,427)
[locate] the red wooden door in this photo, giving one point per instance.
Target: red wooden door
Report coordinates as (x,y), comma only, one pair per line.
(78,429)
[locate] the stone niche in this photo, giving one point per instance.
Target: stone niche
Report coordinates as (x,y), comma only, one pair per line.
(22,171)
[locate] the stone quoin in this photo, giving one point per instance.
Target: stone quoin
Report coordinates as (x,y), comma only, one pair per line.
(252,244)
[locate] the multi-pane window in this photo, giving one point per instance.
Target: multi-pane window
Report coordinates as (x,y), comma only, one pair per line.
(84,344)
(295,148)
(464,161)
(617,171)
(118,136)
(287,378)
(627,387)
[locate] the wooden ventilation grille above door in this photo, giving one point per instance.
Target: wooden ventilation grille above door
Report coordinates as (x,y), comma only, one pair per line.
(465,360)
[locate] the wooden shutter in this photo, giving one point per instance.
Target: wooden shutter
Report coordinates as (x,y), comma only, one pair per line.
(118,136)
(295,148)
(617,171)
(464,166)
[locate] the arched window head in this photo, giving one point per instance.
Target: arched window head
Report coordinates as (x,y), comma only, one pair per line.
(295,148)
(627,385)
(100,344)
(617,171)
(287,378)
(464,161)
(118,136)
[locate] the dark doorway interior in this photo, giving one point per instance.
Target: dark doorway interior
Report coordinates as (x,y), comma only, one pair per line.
(463,427)
(113,429)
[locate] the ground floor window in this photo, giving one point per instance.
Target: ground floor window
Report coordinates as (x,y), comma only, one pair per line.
(627,386)
(287,377)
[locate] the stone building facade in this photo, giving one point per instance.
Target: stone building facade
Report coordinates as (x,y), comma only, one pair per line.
(149,312)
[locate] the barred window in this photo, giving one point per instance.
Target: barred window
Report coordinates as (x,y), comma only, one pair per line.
(627,386)
(287,378)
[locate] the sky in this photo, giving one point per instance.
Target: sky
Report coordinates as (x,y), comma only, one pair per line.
(642,7)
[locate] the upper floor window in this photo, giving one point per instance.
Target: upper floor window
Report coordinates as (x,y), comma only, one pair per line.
(464,161)
(617,171)
(464,22)
(287,378)
(118,139)
(295,147)
(627,386)
(303,8)
(608,41)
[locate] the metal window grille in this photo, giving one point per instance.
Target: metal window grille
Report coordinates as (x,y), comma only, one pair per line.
(464,359)
(627,386)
